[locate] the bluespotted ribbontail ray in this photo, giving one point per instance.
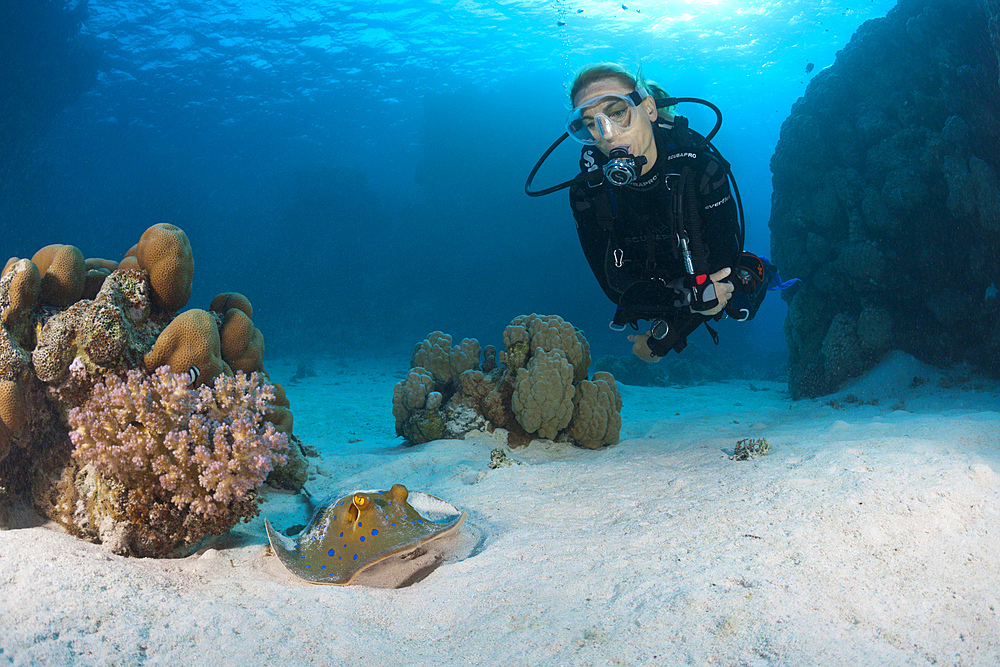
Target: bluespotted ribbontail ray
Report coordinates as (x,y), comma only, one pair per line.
(361,529)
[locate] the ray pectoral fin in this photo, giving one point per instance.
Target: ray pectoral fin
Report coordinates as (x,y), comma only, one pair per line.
(281,546)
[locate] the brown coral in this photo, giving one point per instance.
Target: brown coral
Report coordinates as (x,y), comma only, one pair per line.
(436,354)
(191,339)
(551,332)
(19,289)
(543,393)
(410,395)
(98,264)
(129,262)
(63,275)
(532,395)
(597,409)
(12,413)
(222,303)
(281,416)
(416,407)
(165,253)
(96,271)
(242,344)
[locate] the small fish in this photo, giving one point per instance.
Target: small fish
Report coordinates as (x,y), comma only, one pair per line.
(809,67)
(193,373)
(560,23)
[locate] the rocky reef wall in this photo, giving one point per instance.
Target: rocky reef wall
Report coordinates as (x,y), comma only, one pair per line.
(886,198)
(992,8)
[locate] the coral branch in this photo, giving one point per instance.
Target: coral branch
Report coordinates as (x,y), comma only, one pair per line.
(200,449)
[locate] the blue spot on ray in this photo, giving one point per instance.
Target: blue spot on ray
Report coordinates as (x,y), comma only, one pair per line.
(330,553)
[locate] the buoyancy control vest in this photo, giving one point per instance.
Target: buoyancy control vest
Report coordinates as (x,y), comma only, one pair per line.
(657,260)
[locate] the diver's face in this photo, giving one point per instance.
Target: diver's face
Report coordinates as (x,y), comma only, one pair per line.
(638,138)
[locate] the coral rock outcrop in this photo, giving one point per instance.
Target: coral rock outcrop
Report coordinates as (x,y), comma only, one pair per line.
(159,463)
(536,387)
(886,198)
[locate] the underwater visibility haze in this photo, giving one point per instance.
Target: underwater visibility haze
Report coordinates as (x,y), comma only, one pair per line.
(356,169)
(822,488)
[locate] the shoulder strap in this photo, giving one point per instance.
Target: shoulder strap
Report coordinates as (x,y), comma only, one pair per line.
(606,204)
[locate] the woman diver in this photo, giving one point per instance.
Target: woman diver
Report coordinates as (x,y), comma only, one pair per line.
(657,219)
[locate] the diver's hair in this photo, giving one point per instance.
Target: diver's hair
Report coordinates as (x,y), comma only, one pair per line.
(602,71)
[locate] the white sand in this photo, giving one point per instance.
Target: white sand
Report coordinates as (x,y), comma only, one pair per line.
(869,536)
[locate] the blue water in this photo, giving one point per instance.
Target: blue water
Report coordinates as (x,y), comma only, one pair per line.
(357,169)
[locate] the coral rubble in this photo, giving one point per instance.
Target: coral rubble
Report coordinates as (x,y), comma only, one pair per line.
(536,388)
(125,422)
(886,198)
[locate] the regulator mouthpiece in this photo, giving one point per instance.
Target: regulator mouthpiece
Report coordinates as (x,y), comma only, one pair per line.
(622,167)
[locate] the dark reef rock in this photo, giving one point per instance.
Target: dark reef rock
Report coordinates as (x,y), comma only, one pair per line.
(993,9)
(886,198)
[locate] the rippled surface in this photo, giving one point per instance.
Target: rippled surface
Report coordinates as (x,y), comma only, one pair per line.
(231,56)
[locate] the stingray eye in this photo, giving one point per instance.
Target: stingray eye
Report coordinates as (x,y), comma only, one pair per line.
(360,501)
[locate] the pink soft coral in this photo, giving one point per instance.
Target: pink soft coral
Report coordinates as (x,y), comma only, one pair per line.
(201,449)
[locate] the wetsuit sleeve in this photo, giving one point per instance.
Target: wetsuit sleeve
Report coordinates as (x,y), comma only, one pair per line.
(593,239)
(719,216)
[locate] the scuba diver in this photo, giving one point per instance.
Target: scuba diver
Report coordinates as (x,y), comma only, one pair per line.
(657,219)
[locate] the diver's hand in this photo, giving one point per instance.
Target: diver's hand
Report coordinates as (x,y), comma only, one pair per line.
(723,292)
(640,347)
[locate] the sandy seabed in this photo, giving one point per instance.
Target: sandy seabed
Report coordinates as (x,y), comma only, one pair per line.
(868,536)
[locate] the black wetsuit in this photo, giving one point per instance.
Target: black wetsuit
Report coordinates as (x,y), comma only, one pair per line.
(630,237)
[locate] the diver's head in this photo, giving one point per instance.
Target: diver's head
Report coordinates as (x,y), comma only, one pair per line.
(612,110)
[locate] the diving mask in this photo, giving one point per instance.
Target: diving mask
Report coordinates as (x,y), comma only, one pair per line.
(604,116)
